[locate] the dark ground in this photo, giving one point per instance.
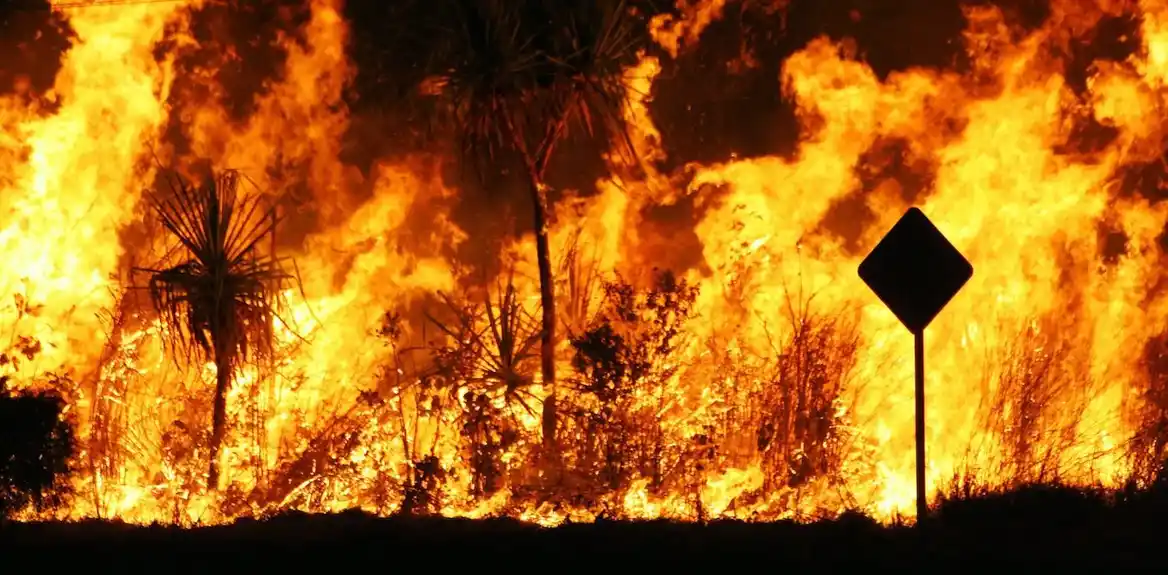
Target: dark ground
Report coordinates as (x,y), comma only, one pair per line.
(1047,528)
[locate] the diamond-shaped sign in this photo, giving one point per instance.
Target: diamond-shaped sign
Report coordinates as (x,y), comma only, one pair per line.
(915,271)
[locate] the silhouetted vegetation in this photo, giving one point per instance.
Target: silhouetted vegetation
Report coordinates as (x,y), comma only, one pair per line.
(1036,402)
(517,78)
(219,298)
(1148,447)
(624,361)
(36,445)
(487,361)
(1033,527)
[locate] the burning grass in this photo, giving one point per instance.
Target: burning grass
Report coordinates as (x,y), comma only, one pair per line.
(450,424)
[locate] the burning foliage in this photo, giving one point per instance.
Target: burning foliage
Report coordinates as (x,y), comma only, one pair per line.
(488,362)
(625,361)
(220,296)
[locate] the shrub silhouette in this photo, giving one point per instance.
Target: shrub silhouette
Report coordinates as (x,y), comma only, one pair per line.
(36,444)
(623,362)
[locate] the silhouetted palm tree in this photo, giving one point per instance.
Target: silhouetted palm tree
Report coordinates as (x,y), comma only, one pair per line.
(219,298)
(517,77)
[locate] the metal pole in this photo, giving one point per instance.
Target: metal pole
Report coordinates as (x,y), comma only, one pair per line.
(919,353)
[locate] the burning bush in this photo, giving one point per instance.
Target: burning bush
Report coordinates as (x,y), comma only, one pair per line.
(624,361)
(1150,441)
(488,358)
(1036,405)
(799,419)
(36,444)
(786,408)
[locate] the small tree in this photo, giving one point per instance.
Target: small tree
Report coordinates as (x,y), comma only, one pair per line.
(218,295)
(36,445)
(516,76)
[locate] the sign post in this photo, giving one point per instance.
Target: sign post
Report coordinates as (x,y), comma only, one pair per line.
(919,410)
(915,271)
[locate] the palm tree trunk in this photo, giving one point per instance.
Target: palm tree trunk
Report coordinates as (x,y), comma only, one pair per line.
(548,305)
(537,161)
(219,415)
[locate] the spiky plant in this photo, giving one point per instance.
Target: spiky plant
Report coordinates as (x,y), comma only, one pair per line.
(517,78)
(492,345)
(218,295)
(582,285)
(489,353)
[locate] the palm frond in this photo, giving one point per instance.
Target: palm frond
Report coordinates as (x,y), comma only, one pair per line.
(220,295)
(492,342)
(600,41)
(516,75)
(485,66)
(580,272)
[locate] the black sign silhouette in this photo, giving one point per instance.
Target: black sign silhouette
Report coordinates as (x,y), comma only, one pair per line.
(915,271)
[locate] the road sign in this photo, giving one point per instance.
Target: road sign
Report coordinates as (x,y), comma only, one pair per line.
(915,271)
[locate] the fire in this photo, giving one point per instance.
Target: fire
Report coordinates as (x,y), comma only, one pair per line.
(778,387)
